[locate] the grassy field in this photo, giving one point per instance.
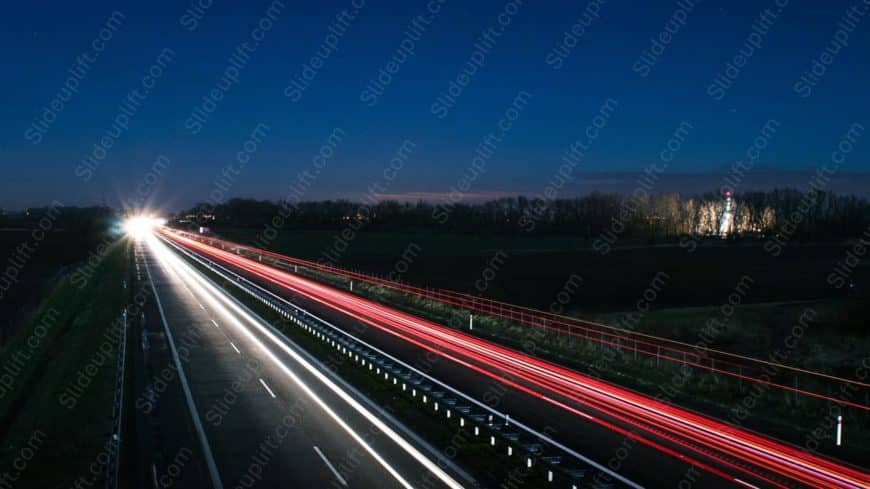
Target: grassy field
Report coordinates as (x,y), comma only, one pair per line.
(535,269)
(56,407)
(835,342)
(693,288)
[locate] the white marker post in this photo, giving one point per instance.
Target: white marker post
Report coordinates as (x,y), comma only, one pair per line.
(471,321)
(839,430)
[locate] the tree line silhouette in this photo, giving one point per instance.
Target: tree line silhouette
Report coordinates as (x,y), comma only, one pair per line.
(804,215)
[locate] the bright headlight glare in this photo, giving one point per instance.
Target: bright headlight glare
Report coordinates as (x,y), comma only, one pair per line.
(140,226)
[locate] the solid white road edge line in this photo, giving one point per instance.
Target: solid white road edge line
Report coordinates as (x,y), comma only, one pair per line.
(206,449)
(217,299)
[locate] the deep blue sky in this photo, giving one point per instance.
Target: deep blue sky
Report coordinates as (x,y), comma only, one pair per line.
(41,42)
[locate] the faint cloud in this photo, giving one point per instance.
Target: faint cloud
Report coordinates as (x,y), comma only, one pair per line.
(443,196)
(762,179)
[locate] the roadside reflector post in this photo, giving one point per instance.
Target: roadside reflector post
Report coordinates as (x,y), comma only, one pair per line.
(839,430)
(510,450)
(471,321)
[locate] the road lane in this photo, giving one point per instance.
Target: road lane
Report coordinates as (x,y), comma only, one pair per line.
(261,411)
(167,448)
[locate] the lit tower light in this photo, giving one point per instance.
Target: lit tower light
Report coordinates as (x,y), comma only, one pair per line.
(726,223)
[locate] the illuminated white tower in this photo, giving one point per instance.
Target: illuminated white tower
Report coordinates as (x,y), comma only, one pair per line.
(727,220)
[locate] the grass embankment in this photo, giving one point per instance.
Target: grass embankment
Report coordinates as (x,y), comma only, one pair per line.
(490,465)
(835,342)
(47,262)
(56,404)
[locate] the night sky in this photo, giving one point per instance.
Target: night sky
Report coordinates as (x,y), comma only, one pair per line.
(49,46)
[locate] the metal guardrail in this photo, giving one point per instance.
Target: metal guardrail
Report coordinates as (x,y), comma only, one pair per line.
(114,444)
(463,409)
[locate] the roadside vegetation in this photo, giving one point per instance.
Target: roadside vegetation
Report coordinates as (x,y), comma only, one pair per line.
(699,276)
(59,381)
(37,248)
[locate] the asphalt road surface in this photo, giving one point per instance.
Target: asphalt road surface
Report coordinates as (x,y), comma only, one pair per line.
(261,416)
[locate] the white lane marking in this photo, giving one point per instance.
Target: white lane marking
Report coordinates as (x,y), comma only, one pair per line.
(215,324)
(206,449)
(201,306)
(328,464)
(235,348)
(267,388)
(223,303)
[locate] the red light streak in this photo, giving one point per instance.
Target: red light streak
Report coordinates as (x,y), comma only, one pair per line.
(551,383)
(681,353)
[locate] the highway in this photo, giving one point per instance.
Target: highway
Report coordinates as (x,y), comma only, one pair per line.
(265,413)
(664,440)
